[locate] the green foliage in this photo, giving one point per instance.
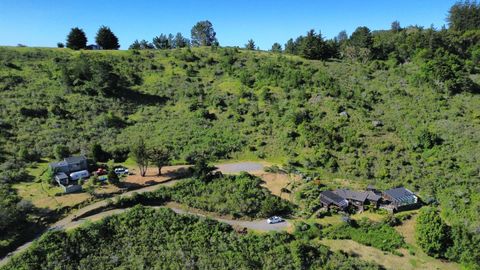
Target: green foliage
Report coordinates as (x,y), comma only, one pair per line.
(139,153)
(250,45)
(464,15)
(106,39)
(378,235)
(76,39)
(431,232)
(203,34)
(160,156)
(61,152)
(112,177)
(235,195)
(276,48)
(125,241)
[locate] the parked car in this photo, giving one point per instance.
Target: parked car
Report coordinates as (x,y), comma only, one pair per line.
(101,171)
(274,219)
(121,171)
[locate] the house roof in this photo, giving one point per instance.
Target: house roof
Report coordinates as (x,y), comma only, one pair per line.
(371,196)
(352,195)
(398,193)
(331,197)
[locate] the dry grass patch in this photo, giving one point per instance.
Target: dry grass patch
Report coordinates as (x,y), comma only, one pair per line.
(388,260)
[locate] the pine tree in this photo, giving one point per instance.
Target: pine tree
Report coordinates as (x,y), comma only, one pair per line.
(106,39)
(76,39)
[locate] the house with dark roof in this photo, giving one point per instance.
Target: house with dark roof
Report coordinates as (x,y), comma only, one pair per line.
(330,199)
(70,164)
(358,198)
(400,198)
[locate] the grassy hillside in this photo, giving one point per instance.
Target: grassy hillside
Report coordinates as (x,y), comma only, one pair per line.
(381,123)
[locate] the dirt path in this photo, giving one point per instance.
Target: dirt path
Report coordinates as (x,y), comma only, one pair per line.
(166,180)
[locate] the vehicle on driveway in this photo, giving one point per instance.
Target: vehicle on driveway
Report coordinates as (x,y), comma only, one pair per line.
(121,171)
(101,171)
(275,219)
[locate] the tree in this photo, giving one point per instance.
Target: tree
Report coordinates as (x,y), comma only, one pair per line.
(162,42)
(112,177)
(141,45)
(61,151)
(140,155)
(106,39)
(464,16)
(312,46)
(180,41)
(250,45)
(160,156)
(276,47)
(431,232)
(202,34)
(396,26)
(290,47)
(98,154)
(76,39)
(202,170)
(342,36)
(60,45)
(361,37)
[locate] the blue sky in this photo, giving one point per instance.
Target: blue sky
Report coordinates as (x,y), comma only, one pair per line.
(44,23)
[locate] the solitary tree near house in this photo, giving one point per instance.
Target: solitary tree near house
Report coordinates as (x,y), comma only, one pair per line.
(140,155)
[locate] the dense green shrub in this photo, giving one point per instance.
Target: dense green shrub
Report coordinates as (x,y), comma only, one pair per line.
(378,235)
(239,196)
(164,240)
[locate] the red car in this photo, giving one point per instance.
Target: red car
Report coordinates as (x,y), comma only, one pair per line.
(101,171)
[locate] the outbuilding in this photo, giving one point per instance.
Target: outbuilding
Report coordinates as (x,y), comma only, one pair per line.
(400,198)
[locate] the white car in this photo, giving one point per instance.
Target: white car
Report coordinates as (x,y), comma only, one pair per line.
(274,219)
(121,171)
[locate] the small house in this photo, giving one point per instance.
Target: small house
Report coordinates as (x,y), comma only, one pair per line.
(359,198)
(400,198)
(70,164)
(330,199)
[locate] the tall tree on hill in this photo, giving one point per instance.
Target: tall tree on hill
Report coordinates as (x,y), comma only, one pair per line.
(250,45)
(313,46)
(180,41)
(106,39)
(162,42)
(203,34)
(276,47)
(395,26)
(291,46)
(76,39)
(464,16)
(140,155)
